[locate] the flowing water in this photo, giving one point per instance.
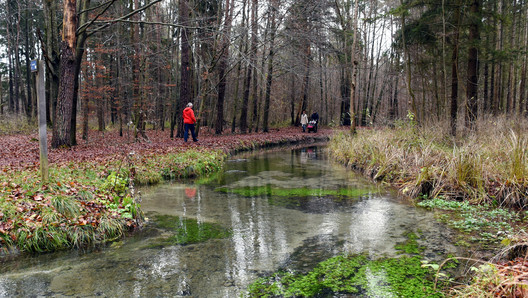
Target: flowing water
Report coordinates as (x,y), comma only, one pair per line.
(267,232)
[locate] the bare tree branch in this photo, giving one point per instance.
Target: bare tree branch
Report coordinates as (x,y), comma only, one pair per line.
(151,23)
(125,17)
(83,27)
(95,7)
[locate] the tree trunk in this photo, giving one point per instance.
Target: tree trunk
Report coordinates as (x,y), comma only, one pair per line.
(52,52)
(454,72)
(306,82)
(85,104)
(254,41)
(29,107)
(176,112)
(17,78)
(222,66)
(497,66)
(354,71)
(269,78)
(522,91)
(101,101)
(407,55)
(292,100)
(11,47)
(249,74)
(185,70)
(472,83)
(245,101)
(62,128)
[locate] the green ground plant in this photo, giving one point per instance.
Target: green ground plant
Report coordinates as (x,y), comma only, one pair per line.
(86,203)
(484,223)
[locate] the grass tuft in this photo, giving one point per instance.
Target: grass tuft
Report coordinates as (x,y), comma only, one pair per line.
(489,166)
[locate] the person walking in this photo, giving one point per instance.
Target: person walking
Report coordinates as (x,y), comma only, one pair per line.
(188,123)
(304,121)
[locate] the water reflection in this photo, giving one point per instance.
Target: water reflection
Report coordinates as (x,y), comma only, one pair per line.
(268,232)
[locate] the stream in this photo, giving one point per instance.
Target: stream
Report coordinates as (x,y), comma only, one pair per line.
(330,211)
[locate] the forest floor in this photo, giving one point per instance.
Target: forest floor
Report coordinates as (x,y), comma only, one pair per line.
(22,151)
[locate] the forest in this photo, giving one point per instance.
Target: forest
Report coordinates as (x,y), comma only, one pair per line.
(136,64)
(426,97)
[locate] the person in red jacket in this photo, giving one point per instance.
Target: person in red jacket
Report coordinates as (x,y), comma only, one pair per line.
(188,122)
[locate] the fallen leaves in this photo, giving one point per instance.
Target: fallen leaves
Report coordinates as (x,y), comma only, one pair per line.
(19,152)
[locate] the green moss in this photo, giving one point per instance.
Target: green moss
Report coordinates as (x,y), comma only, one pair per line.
(188,231)
(294,192)
(410,246)
(358,275)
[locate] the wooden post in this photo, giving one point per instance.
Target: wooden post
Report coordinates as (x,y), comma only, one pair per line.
(43,138)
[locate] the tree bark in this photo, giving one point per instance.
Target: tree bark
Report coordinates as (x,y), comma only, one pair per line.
(354,71)
(243,43)
(52,58)
(522,91)
(249,76)
(185,70)
(254,41)
(407,55)
(222,66)
(472,83)
(269,77)
(62,128)
(454,72)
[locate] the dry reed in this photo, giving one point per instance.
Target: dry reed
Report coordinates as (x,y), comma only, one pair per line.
(486,166)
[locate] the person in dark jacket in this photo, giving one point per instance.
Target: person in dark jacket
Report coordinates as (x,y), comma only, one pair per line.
(188,122)
(315,117)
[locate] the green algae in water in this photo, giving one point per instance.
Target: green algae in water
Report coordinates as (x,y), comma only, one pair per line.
(357,275)
(188,231)
(294,192)
(396,277)
(410,246)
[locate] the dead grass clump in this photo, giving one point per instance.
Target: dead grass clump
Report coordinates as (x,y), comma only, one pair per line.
(16,124)
(504,278)
(488,166)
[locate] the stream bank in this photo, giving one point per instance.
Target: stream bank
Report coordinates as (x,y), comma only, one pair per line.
(476,185)
(92,200)
(283,210)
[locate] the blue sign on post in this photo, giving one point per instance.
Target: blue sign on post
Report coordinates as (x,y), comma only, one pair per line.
(33,65)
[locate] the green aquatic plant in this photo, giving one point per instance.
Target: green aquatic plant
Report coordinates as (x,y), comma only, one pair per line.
(188,231)
(490,224)
(405,276)
(410,246)
(269,190)
(357,275)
